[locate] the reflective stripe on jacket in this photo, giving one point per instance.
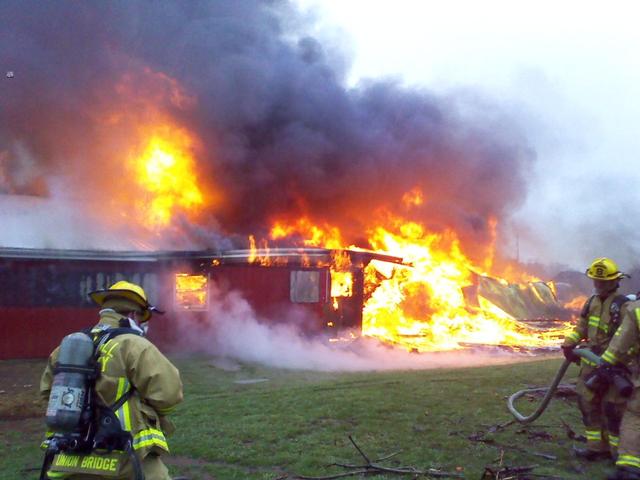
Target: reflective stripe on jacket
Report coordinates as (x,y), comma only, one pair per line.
(594,326)
(625,344)
(130,361)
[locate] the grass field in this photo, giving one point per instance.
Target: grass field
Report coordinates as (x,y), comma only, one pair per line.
(250,422)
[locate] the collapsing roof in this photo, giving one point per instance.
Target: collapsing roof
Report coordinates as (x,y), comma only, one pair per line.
(313,256)
(522,301)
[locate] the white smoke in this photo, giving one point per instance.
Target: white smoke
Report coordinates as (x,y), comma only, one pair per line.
(233,330)
(65,221)
(37,222)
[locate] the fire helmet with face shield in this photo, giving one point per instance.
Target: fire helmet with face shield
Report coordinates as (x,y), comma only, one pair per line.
(130,292)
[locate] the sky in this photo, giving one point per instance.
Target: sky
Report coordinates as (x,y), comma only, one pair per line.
(568,72)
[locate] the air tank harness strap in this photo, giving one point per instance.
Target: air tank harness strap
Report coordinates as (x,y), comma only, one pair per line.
(122,400)
(103,335)
(63,367)
(112,432)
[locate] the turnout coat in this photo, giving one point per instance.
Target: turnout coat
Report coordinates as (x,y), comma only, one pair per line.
(128,362)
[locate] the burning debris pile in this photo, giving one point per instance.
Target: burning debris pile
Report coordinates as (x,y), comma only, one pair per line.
(429,296)
(225,125)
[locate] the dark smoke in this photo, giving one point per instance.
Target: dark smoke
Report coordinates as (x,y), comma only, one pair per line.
(281,133)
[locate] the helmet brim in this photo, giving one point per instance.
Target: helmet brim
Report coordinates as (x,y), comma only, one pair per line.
(100,296)
(613,276)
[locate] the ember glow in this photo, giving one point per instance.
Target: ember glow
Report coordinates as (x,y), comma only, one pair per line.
(420,305)
(191,291)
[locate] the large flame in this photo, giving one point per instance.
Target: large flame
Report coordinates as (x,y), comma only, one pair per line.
(421,304)
(165,169)
(149,155)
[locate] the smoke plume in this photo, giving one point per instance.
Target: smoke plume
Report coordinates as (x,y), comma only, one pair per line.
(278,134)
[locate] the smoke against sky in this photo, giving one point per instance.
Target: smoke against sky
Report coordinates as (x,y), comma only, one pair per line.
(326,109)
(568,71)
(273,117)
(277,129)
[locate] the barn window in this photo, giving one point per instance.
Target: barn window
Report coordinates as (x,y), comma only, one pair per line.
(341,284)
(192,292)
(305,286)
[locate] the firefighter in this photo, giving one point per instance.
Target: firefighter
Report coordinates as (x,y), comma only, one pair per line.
(599,318)
(129,364)
(624,350)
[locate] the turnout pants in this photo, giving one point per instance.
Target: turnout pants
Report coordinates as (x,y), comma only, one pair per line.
(629,450)
(601,415)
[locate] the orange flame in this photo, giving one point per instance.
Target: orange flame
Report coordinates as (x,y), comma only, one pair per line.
(413,198)
(423,306)
(576,303)
(165,169)
(325,235)
(191,291)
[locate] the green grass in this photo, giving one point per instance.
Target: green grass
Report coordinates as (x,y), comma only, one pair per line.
(299,422)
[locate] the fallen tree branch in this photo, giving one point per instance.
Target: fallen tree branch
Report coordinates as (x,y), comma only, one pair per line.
(359,450)
(338,475)
(387,457)
(504,473)
(571,434)
(493,443)
(371,468)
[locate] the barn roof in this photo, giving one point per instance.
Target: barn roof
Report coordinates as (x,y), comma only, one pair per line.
(294,255)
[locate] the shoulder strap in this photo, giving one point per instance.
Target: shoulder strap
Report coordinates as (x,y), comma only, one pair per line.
(615,312)
(102,337)
(114,332)
(587,306)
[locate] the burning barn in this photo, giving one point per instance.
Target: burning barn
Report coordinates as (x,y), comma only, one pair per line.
(46,290)
(330,290)
(251,130)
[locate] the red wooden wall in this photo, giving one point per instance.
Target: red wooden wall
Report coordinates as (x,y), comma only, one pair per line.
(29,330)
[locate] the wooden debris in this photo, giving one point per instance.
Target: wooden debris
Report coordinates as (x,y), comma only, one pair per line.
(481,437)
(535,435)
(504,473)
(571,434)
(515,473)
(372,468)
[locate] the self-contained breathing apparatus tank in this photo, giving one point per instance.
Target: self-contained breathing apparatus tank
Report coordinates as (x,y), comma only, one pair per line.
(72,379)
(78,424)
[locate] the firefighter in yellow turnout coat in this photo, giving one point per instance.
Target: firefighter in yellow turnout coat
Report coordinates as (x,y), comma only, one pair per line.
(624,345)
(128,362)
(600,316)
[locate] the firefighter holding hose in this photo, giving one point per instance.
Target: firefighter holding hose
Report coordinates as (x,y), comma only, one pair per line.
(599,319)
(110,390)
(624,351)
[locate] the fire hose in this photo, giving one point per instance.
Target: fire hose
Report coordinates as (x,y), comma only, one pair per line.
(580,352)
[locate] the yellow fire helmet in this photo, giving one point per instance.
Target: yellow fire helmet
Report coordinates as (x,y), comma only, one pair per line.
(128,290)
(604,269)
